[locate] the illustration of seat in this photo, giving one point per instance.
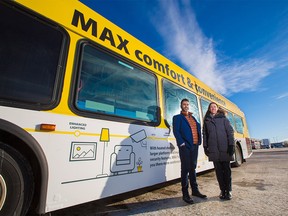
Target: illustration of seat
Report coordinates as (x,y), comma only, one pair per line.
(122,159)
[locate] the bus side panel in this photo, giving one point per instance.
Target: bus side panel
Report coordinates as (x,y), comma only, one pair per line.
(90,159)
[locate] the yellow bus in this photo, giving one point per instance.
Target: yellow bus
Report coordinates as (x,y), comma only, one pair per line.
(86,109)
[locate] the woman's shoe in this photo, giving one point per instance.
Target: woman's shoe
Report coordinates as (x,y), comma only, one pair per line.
(222,194)
(228,195)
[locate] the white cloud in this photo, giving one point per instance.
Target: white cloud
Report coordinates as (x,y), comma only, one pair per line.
(194,51)
(284,95)
(244,76)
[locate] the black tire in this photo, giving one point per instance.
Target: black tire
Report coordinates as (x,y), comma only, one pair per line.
(238,157)
(16,179)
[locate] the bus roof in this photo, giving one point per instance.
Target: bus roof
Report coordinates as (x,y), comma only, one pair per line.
(82,20)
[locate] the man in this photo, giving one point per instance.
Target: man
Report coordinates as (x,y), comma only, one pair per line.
(187,132)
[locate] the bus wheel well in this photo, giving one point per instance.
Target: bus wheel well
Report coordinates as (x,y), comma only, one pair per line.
(25,150)
(238,155)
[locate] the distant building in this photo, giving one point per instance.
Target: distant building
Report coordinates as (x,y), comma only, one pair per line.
(265,144)
(256,143)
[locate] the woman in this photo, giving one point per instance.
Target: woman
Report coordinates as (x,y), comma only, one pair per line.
(218,143)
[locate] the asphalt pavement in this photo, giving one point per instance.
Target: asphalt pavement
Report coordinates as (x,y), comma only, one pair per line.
(259,188)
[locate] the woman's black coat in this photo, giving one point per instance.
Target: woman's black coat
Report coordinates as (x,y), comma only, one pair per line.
(217,135)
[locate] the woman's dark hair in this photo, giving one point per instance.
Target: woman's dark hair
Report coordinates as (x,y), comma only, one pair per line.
(220,110)
(208,110)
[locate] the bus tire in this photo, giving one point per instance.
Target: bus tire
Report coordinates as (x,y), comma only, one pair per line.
(238,157)
(16,182)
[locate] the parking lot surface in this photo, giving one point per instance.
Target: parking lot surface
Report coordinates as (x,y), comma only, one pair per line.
(259,188)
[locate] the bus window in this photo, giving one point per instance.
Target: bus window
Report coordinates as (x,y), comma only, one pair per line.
(204,106)
(111,86)
(231,119)
(239,124)
(29,52)
(172,99)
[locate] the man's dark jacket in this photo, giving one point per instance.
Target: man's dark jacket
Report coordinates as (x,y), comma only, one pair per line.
(182,131)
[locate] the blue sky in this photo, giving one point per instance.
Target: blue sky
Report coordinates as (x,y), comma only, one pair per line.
(238,47)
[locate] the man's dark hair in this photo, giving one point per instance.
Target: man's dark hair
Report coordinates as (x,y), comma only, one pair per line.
(185,99)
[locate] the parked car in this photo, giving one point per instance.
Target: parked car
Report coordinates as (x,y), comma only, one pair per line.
(277,145)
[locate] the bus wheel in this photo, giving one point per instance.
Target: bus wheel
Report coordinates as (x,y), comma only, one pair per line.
(238,157)
(16,182)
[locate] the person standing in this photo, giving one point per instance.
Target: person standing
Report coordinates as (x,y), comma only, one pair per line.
(187,132)
(218,144)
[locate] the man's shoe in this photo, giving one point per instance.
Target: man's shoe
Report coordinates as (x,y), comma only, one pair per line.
(228,195)
(188,199)
(222,194)
(198,194)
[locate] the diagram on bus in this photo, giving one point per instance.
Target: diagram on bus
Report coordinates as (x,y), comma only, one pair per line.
(123,159)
